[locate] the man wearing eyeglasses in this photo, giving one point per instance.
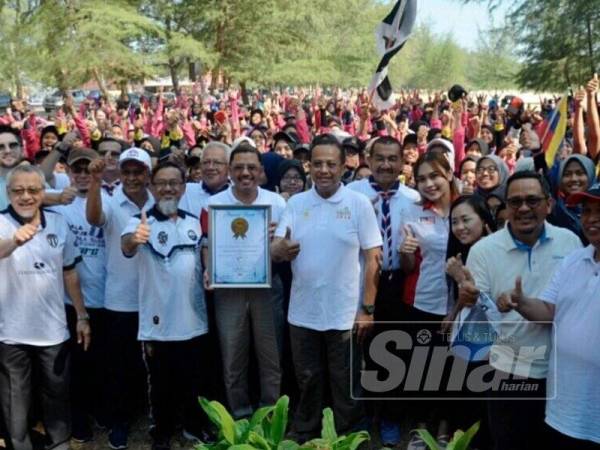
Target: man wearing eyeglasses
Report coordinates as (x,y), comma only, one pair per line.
(10,155)
(173,322)
(38,257)
(244,314)
(88,369)
(125,383)
(530,248)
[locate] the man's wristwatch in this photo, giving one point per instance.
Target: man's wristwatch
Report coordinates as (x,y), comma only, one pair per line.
(82,317)
(368,309)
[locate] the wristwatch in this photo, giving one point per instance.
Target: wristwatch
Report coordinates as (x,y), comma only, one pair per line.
(82,317)
(368,309)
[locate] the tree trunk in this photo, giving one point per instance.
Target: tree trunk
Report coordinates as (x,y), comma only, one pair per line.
(590,45)
(101,83)
(174,75)
(244,92)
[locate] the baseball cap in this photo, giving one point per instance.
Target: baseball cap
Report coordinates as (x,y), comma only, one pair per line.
(81,153)
(593,193)
(283,136)
(135,154)
(352,144)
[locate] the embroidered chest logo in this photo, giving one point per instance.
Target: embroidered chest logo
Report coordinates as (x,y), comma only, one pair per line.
(427,220)
(192,235)
(52,240)
(163,238)
(306,214)
(343,214)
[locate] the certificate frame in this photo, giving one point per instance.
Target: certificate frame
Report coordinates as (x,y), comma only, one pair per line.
(218,216)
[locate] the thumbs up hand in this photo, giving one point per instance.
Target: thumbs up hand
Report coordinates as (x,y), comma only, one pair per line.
(142,232)
(410,243)
(509,301)
(285,249)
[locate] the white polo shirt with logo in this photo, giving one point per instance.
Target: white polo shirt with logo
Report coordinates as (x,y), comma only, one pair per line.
(32,310)
(573,405)
(195,198)
(89,239)
(431,230)
(495,262)
(121,292)
(331,232)
(264,197)
(169,276)
(403,197)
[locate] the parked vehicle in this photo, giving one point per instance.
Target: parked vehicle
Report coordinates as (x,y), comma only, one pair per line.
(56,100)
(5,99)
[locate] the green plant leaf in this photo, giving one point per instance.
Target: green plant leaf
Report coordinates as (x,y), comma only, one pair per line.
(461,440)
(288,445)
(318,443)
(259,416)
(242,447)
(279,420)
(351,441)
(242,428)
(428,438)
(217,413)
(328,426)
(258,441)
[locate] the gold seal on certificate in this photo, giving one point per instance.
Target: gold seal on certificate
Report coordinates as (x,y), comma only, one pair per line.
(239,227)
(239,246)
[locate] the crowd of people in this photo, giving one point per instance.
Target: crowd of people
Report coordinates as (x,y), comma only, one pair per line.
(406,216)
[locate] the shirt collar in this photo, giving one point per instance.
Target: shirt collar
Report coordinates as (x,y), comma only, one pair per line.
(160,217)
(589,253)
(20,219)
(335,198)
(209,191)
(516,244)
(122,198)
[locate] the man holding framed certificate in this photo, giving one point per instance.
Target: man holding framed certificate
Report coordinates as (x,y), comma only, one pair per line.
(323,232)
(248,297)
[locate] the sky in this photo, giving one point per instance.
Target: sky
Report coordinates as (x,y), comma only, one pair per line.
(460,20)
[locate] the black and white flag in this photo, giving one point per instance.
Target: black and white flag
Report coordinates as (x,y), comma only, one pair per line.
(391,34)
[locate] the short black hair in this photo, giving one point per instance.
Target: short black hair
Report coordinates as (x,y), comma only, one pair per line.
(11,130)
(410,139)
(245,147)
(530,175)
(385,140)
(328,139)
(167,165)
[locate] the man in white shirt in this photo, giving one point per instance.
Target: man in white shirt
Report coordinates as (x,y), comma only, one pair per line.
(88,369)
(571,300)
(242,311)
(10,155)
(323,232)
(125,383)
(173,319)
(37,262)
(532,249)
(389,197)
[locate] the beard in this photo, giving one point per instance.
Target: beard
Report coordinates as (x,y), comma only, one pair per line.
(168,207)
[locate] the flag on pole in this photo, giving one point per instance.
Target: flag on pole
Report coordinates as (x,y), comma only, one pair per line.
(391,35)
(553,131)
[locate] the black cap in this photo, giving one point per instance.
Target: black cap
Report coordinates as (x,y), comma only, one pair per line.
(353,144)
(283,136)
(456,92)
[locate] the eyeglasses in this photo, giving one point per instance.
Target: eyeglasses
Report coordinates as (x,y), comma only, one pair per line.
(294,179)
(489,169)
(213,162)
(531,201)
(20,192)
(9,147)
(161,184)
(135,173)
(80,169)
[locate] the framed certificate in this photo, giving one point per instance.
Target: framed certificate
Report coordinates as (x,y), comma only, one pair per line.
(239,246)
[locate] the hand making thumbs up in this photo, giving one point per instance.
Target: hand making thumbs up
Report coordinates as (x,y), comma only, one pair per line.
(410,243)
(285,249)
(509,301)
(142,232)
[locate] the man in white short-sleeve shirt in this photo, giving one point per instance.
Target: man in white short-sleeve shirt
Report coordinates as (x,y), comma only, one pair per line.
(37,261)
(572,301)
(173,321)
(323,232)
(242,311)
(112,213)
(532,249)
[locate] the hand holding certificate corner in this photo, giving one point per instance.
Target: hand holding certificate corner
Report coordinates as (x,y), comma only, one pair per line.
(239,246)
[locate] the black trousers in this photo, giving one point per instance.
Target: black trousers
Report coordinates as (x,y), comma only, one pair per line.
(175,371)
(126,382)
(563,442)
(322,360)
(88,370)
(519,424)
(51,364)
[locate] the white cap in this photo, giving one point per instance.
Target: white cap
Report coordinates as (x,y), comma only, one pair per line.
(447,145)
(241,139)
(136,154)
